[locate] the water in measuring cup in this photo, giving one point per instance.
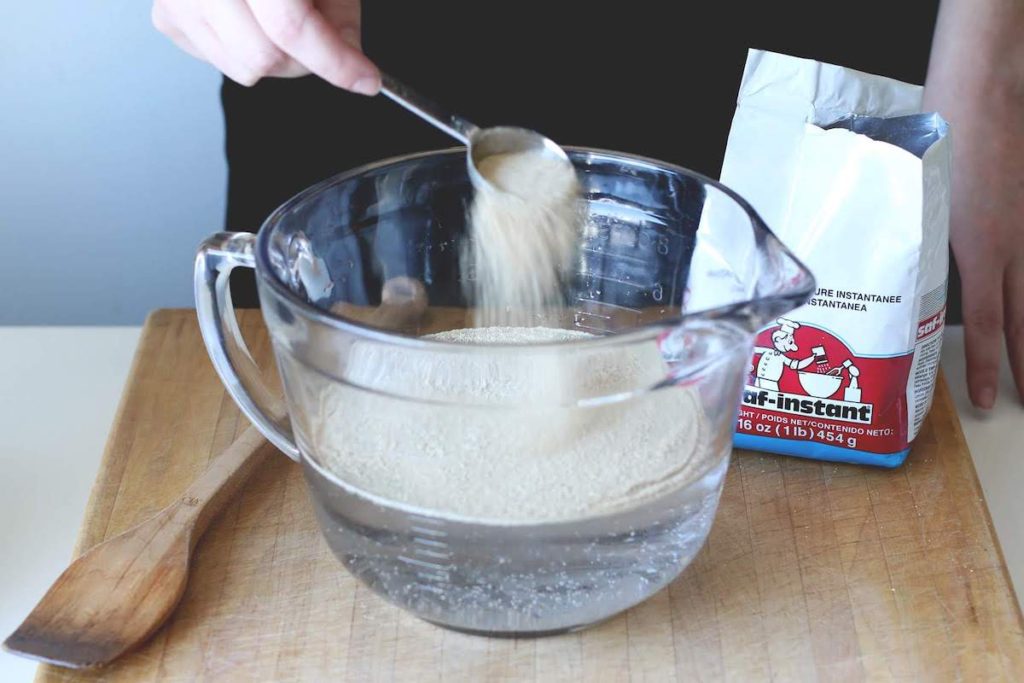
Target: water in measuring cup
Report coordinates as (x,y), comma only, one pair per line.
(517,579)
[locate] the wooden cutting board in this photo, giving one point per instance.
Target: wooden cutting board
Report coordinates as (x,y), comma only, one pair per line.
(812,571)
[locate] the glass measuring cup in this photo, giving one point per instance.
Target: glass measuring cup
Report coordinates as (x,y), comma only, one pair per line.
(670,262)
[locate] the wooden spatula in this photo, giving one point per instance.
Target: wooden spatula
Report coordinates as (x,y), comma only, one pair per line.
(117,594)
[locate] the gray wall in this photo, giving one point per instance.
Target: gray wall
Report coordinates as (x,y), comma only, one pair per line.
(111,164)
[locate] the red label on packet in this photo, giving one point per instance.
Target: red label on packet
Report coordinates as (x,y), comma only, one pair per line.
(807,385)
(932,325)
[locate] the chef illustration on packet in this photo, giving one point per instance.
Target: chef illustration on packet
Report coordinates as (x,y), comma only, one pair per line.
(773,361)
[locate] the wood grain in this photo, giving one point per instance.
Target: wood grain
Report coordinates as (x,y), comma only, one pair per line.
(119,592)
(813,571)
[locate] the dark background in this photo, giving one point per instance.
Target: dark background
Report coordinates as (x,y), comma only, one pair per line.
(652,78)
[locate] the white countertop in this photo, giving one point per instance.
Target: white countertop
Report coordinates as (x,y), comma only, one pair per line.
(60,387)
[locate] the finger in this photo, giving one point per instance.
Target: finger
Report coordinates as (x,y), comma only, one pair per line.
(236,27)
(162,22)
(346,18)
(983,332)
(1013,312)
(214,51)
(185,23)
(184,44)
(298,29)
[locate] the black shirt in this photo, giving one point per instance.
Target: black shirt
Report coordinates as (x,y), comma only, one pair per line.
(655,78)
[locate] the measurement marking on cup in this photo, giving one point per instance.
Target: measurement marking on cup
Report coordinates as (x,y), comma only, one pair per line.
(598,317)
(429,542)
(423,563)
(428,571)
(436,533)
(618,256)
(431,553)
(624,281)
(601,308)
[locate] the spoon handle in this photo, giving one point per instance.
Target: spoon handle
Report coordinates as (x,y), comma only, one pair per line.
(224,476)
(453,124)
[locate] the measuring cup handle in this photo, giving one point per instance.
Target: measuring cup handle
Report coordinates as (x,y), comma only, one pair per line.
(217,257)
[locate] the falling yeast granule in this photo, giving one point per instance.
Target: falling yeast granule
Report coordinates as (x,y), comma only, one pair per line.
(525,226)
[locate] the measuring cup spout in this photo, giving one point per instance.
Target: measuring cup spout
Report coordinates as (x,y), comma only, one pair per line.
(783,283)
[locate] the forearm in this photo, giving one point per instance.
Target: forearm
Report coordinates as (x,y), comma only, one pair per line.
(977,56)
(976,81)
(802,363)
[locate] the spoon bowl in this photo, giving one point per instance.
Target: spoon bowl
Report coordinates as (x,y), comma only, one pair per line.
(488,142)
(481,142)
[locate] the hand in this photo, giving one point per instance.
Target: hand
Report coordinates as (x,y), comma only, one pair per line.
(250,39)
(987,235)
(974,81)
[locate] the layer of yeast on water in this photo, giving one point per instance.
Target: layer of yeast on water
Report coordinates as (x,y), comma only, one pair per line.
(525,228)
(495,435)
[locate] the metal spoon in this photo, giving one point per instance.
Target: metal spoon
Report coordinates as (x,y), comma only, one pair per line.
(481,142)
